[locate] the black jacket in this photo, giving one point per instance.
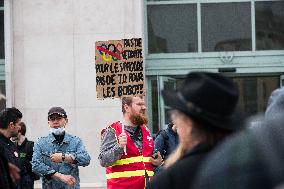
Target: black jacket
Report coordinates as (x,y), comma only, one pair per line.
(26,153)
(5,179)
(10,152)
(182,173)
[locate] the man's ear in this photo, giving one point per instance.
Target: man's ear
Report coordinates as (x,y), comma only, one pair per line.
(126,108)
(11,124)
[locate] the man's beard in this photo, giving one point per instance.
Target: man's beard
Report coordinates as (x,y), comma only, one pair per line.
(14,134)
(138,119)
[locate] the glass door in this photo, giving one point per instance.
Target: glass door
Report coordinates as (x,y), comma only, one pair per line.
(167,83)
(157,111)
(254,94)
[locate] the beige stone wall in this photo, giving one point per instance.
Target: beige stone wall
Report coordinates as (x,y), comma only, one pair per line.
(54,65)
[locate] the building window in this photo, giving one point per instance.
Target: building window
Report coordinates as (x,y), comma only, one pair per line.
(2,58)
(226,33)
(269,25)
(254,92)
(2,95)
(203,26)
(243,38)
(2,51)
(172,28)
(154,106)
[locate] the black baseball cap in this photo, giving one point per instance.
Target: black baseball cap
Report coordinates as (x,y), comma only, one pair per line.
(57,110)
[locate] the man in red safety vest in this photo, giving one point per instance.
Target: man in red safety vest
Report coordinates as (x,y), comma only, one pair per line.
(127,148)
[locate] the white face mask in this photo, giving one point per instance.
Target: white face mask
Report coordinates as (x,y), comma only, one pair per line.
(57,131)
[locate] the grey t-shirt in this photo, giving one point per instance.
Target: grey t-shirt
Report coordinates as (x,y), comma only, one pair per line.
(110,150)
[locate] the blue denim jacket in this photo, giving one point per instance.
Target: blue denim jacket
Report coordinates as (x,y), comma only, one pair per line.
(42,164)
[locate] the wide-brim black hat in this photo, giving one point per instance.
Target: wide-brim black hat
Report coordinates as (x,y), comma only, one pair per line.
(209,98)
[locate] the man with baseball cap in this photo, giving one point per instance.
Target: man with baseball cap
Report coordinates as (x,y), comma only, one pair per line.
(57,156)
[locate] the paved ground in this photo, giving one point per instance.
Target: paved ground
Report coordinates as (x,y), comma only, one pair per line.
(38,186)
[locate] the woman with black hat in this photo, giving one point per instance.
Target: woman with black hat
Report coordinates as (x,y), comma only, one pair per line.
(203,111)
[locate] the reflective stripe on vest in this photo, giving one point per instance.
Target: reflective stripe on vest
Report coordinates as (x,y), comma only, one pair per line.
(136,159)
(128,174)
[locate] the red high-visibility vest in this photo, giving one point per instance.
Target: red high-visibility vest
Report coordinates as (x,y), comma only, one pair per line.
(130,170)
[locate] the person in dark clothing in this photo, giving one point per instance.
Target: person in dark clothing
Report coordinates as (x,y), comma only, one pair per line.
(251,159)
(9,172)
(10,119)
(203,111)
(25,148)
(166,142)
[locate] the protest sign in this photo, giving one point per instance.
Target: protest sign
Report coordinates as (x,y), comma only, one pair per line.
(119,68)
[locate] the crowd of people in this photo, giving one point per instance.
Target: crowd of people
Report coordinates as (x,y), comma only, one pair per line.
(207,145)
(55,158)
(215,146)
